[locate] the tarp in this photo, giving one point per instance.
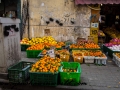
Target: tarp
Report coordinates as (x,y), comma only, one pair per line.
(97,2)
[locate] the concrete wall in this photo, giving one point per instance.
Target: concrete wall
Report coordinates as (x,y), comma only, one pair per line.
(64,11)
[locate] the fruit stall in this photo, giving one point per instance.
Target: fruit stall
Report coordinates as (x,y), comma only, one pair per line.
(112,47)
(57,62)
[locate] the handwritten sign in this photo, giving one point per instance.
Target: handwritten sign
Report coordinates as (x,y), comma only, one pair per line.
(51,53)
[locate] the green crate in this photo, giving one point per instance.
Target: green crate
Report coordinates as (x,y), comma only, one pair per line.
(110,52)
(33,53)
(43,79)
(24,47)
(70,78)
(19,73)
(105,49)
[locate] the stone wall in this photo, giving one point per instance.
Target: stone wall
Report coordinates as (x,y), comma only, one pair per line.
(75,20)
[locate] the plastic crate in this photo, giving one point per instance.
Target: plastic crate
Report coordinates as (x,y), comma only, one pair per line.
(105,49)
(89,59)
(110,52)
(100,60)
(19,72)
(64,58)
(24,47)
(33,53)
(116,60)
(70,78)
(78,59)
(43,79)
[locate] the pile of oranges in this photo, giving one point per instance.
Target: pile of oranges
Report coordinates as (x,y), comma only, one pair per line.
(61,43)
(117,54)
(46,64)
(96,53)
(36,47)
(91,45)
(76,46)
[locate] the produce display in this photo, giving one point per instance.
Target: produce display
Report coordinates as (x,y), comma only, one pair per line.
(115,48)
(101,34)
(91,46)
(70,73)
(96,53)
(64,54)
(77,54)
(112,42)
(113,33)
(61,43)
(45,40)
(69,70)
(36,47)
(44,52)
(63,51)
(46,64)
(78,57)
(24,41)
(76,46)
(117,54)
(86,45)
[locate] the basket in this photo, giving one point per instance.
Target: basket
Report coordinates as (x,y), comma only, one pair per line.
(105,49)
(33,53)
(78,59)
(70,78)
(43,79)
(64,58)
(19,72)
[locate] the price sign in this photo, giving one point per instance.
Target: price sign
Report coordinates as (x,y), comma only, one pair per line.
(51,53)
(94,29)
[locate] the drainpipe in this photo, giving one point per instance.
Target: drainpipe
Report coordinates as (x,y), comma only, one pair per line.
(28,19)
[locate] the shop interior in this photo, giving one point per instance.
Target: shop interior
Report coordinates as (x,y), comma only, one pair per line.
(110,21)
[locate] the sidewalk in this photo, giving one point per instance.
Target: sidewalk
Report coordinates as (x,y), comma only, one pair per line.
(96,77)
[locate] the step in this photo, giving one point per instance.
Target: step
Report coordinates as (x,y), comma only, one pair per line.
(4,80)
(4,75)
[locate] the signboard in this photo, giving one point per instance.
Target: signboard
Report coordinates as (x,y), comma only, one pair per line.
(94,29)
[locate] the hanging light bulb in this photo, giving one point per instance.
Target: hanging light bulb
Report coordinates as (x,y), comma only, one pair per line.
(101,4)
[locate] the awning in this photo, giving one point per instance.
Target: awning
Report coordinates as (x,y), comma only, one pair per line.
(97,2)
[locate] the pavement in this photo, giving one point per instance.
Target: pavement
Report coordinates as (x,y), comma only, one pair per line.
(95,78)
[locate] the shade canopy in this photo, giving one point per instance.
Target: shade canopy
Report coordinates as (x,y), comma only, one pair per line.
(97,2)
